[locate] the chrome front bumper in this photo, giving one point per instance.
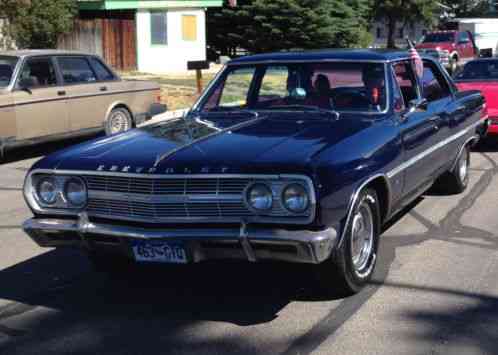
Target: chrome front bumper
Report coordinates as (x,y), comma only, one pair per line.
(247,242)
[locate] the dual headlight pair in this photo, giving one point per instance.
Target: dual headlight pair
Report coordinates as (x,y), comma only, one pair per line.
(60,191)
(294,197)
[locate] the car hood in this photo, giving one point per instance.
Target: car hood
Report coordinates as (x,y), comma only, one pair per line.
(436,45)
(279,144)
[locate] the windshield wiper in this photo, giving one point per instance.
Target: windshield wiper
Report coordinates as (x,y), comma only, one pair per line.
(333,113)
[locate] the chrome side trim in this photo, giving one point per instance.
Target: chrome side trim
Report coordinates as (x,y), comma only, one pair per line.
(390,174)
(354,198)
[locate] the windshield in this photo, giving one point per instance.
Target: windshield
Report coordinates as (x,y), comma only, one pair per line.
(438,37)
(343,87)
(7,65)
(479,70)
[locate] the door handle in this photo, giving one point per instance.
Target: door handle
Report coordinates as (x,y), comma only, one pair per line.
(61,92)
(103,88)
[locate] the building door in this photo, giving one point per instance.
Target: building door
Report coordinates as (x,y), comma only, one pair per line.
(119,40)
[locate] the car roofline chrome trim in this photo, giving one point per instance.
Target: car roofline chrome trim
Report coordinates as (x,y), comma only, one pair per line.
(322,60)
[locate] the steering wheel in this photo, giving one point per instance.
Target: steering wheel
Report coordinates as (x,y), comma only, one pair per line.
(350,97)
(4,78)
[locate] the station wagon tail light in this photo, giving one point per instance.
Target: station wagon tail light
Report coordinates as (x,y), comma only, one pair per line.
(44,191)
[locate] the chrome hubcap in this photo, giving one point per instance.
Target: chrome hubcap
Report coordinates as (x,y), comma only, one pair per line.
(118,123)
(362,238)
(463,166)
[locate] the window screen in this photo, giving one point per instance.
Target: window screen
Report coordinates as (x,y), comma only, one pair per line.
(189,27)
(158,28)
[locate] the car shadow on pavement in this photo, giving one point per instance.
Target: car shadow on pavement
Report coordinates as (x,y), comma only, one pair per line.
(154,309)
(38,150)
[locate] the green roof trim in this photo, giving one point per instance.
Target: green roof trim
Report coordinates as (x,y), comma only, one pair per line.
(145,4)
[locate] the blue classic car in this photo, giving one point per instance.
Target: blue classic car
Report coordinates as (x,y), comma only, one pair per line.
(298,157)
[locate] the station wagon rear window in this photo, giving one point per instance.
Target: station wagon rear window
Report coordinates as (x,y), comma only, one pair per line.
(7,66)
(339,86)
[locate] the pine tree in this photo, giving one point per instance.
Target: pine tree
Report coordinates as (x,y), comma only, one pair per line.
(273,25)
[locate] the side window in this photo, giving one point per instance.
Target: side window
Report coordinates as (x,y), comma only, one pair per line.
(405,78)
(236,88)
(274,84)
(38,72)
(463,37)
(434,85)
(103,73)
(76,70)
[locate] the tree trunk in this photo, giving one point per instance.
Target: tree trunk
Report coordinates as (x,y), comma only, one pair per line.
(391,29)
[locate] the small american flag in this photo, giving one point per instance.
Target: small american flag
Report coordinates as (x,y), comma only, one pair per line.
(417,61)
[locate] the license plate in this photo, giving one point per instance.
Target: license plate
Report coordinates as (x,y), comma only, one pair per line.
(158,251)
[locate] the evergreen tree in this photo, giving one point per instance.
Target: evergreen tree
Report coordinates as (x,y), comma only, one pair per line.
(273,25)
(38,23)
(395,12)
(468,8)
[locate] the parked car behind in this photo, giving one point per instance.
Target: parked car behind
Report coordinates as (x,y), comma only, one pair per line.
(298,157)
(482,75)
(455,47)
(47,95)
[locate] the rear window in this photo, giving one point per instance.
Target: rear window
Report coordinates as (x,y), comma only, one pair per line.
(479,70)
(103,73)
(76,70)
(438,37)
(7,65)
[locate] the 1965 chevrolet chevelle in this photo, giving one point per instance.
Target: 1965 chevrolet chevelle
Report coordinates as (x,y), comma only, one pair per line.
(297,157)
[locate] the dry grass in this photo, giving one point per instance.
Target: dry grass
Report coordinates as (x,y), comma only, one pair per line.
(177,91)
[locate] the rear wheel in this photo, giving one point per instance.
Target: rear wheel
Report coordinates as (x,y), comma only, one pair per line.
(118,121)
(457,179)
(353,263)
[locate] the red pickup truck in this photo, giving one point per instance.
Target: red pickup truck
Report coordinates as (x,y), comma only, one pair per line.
(455,48)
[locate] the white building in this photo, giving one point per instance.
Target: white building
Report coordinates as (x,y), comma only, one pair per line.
(152,36)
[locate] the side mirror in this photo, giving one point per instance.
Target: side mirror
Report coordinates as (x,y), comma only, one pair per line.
(26,84)
(415,105)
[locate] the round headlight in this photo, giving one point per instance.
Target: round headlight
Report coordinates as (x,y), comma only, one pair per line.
(295,198)
(259,197)
(47,190)
(75,192)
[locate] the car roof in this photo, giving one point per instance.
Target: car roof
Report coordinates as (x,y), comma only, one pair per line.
(367,55)
(40,52)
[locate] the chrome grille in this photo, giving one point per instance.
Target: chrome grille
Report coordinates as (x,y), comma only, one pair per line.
(170,199)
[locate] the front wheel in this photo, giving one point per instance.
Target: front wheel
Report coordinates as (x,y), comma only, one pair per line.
(353,263)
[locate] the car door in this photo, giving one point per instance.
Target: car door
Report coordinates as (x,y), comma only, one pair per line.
(418,131)
(88,99)
(39,99)
(467,48)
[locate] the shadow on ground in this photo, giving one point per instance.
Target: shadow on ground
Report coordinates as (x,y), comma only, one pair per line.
(155,310)
(38,150)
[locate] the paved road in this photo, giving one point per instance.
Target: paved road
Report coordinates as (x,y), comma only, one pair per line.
(435,291)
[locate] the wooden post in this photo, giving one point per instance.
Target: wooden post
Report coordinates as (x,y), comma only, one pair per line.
(198,74)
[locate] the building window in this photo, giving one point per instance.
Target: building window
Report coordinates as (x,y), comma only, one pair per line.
(158,28)
(189,27)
